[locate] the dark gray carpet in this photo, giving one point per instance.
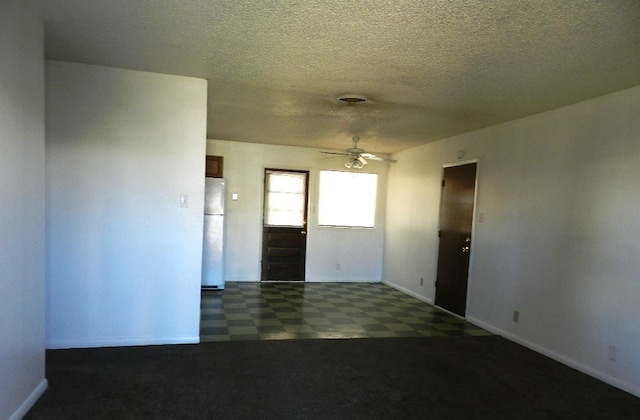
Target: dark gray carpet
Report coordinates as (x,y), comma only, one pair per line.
(396,378)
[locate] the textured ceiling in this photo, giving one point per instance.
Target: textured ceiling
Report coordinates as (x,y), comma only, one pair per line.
(431,68)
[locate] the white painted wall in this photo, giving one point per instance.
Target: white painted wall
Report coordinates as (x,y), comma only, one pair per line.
(559,197)
(124,259)
(22,208)
(357,251)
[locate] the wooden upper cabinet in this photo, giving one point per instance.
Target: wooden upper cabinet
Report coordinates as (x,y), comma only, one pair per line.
(214,166)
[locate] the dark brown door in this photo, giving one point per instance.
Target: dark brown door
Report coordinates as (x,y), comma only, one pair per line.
(284,235)
(456,218)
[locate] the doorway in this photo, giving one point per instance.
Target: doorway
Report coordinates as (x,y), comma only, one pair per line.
(456,220)
(284,231)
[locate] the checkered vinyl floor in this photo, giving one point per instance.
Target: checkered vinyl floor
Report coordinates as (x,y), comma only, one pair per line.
(283,311)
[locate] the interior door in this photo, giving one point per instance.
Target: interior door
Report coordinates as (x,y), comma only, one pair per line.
(284,235)
(456,218)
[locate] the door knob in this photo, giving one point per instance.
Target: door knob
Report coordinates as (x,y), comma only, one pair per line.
(465,249)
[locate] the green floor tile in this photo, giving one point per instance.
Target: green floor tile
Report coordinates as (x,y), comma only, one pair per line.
(286,311)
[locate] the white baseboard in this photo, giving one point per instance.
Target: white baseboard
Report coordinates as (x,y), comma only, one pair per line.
(409,292)
(631,389)
(30,401)
(121,342)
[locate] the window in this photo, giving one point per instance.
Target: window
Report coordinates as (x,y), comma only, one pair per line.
(285,194)
(347,199)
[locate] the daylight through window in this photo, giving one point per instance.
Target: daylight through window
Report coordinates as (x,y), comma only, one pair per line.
(284,199)
(347,199)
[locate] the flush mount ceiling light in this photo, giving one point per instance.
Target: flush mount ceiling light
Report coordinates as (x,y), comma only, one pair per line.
(352,99)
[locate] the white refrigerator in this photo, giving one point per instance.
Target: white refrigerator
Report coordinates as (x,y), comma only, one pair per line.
(213,243)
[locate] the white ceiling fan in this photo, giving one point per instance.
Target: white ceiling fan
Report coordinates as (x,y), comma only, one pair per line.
(356,157)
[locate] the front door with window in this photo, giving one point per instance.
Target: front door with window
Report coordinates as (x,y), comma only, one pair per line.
(284,234)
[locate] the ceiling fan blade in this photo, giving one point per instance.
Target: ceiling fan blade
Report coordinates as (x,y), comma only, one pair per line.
(371,156)
(335,153)
(357,157)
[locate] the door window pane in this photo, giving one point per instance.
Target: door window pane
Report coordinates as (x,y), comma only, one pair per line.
(284,198)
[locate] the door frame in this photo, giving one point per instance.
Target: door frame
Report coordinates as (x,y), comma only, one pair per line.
(474,220)
(284,168)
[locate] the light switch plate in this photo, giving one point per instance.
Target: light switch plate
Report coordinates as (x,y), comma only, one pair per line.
(184,201)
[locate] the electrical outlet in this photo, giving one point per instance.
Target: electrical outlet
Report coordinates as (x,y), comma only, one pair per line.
(337,266)
(516,316)
(612,353)
(421,281)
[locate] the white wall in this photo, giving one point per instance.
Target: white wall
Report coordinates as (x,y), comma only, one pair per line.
(357,251)
(124,259)
(22,209)
(558,195)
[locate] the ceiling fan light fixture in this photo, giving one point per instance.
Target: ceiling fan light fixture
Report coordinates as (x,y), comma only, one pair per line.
(355,162)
